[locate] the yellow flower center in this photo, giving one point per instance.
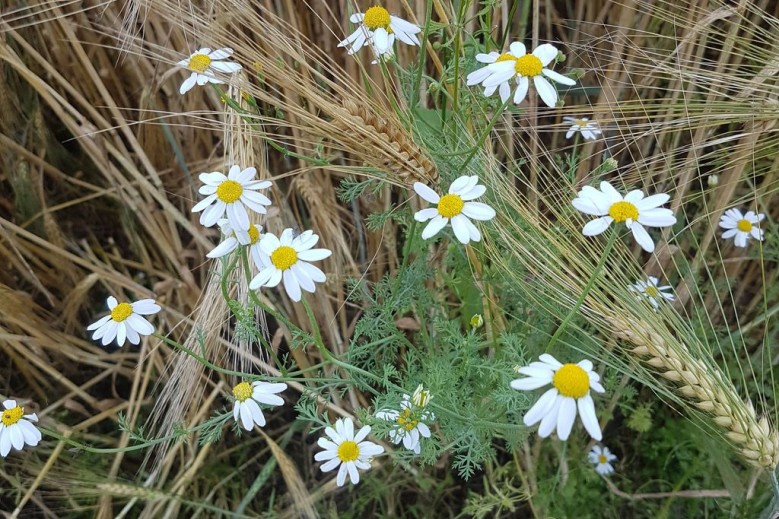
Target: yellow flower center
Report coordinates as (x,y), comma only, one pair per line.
(376,17)
(571,381)
(450,206)
(284,257)
(199,62)
(348,451)
(744,225)
(121,312)
(651,291)
(528,66)
(622,211)
(581,123)
(229,191)
(254,234)
(11,416)
(506,56)
(602,459)
(406,421)
(242,391)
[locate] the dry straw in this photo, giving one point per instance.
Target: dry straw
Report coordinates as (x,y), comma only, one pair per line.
(706,388)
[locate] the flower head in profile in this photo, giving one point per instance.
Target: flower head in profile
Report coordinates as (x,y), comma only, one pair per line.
(602,457)
(231,194)
(588,129)
(234,238)
(349,451)
(124,322)
(519,66)
(478,76)
(650,291)
(248,398)
(287,258)
(741,227)
(410,420)
(633,210)
(16,428)
(379,29)
(556,409)
(203,64)
(455,206)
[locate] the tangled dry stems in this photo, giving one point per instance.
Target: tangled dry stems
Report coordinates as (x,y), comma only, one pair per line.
(707,389)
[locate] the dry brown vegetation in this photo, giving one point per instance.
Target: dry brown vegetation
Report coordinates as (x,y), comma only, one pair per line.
(99,162)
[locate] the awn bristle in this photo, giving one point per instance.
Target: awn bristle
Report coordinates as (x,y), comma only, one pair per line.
(707,388)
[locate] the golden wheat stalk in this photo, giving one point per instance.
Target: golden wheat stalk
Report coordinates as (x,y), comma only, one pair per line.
(383,143)
(706,388)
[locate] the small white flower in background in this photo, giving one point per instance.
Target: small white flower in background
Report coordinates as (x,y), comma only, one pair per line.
(477,321)
(588,129)
(633,210)
(287,258)
(233,238)
(653,293)
(379,29)
(231,194)
(203,64)
(348,450)
(556,409)
(410,420)
(455,206)
(602,458)
(712,180)
(125,322)
(741,227)
(248,397)
(478,76)
(16,428)
(523,67)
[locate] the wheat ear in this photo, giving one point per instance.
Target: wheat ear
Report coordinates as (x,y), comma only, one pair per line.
(384,143)
(706,387)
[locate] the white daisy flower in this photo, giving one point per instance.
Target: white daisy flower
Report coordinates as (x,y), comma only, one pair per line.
(410,420)
(348,450)
(287,258)
(524,67)
(556,409)
(651,292)
(247,400)
(588,129)
(602,458)
(231,194)
(125,322)
(203,64)
(634,210)
(454,206)
(16,428)
(478,76)
(233,238)
(379,29)
(741,227)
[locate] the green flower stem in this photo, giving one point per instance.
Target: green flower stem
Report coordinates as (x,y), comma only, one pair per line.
(586,291)
(480,141)
(265,344)
(149,443)
(421,59)
(247,117)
